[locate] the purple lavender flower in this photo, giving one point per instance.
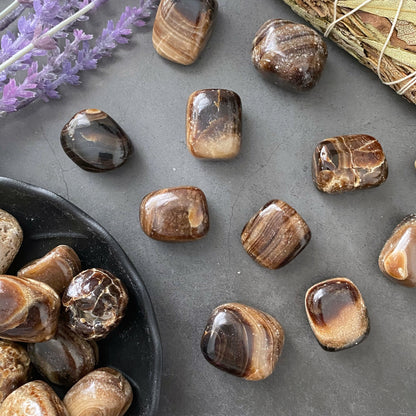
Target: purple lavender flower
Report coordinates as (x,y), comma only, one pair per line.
(64,65)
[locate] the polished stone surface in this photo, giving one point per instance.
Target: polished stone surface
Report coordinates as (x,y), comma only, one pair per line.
(213,124)
(95,142)
(397,259)
(65,358)
(175,214)
(14,367)
(182,28)
(103,392)
(186,281)
(242,341)
(289,54)
(94,303)
(275,235)
(56,268)
(11,237)
(29,310)
(337,314)
(345,163)
(33,399)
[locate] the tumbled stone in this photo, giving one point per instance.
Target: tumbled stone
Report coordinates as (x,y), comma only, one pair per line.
(345,163)
(56,268)
(242,341)
(175,214)
(213,124)
(398,256)
(14,367)
(289,54)
(95,142)
(337,314)
(182,28)
(275,235)
(11,237)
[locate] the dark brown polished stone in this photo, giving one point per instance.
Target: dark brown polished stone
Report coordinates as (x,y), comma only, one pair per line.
(29,310)
(95,142)
(65,358)
(398,257)
(337,314)
(289,54)
(182,28)
(94,303)
(175,214)
(275,235)
(213,124)
(56,268)
(345,163)
(242,341)
(14,367)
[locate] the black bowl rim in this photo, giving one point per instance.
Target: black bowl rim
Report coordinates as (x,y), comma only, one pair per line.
(64,204)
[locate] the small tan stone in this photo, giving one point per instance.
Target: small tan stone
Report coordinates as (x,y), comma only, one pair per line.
(11,237)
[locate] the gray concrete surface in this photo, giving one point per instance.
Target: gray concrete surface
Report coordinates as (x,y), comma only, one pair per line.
(147,96)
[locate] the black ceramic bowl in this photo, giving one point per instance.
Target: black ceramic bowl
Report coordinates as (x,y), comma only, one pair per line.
(48,220)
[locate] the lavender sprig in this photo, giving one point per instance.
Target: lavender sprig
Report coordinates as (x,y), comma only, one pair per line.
(10,17)
(77,55)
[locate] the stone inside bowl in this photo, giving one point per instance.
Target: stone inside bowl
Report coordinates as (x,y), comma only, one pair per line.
(48,220)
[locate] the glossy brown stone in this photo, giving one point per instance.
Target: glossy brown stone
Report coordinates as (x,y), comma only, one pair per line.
(397,259)
(213,124)
(29,310)
(345,163)
(242,341)
(56,268)
(94,303)
(65,358)
(289,54)
(11,237)
(14,367)
(95,142)
(175,214)
(275,235)
(182,28)
(337,314)
(103,392)
(33,399)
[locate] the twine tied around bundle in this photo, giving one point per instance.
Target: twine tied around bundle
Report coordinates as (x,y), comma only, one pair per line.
(411,77)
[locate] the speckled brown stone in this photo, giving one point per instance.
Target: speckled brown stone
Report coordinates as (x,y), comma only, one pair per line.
(182,28)
(275,235)
(243,341)
(337,314)
(175,214)
(397,259)
(345,163)
(289,54)
(213,124)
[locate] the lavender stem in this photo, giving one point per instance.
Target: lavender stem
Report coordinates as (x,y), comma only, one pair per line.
(9,9)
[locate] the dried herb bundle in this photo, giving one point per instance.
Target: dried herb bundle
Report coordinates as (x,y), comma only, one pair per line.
(364,33)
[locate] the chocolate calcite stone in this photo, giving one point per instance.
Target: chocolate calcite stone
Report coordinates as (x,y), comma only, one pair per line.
(242,341)
(213,124)
(65,358)
(14,367)
(94,303)
(275,235)
(337,314)
(11,237)
(95,142)
(56,268)
(33,399)
(182,28)
(289,54)
(175,214)
(398,257)
(345,163)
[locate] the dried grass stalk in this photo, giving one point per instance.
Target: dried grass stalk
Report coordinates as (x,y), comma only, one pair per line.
(364,33)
